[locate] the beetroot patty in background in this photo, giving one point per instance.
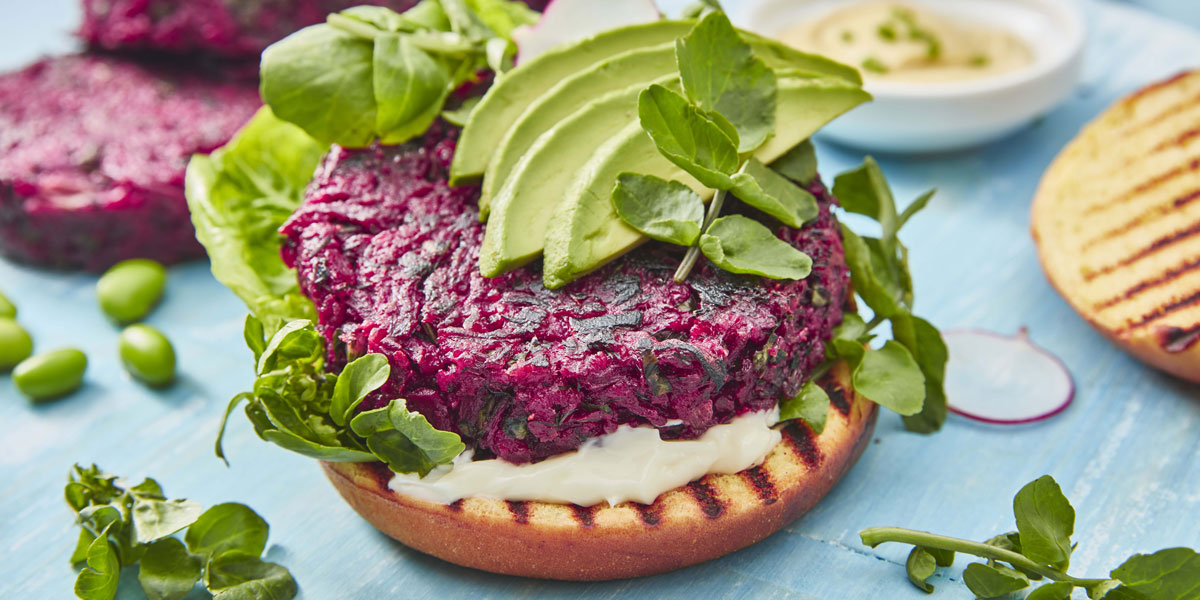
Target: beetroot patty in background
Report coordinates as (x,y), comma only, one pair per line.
(388,253)
(93,151)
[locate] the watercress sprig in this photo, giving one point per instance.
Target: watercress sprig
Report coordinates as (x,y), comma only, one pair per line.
(371,73)
(123,526)
(1041,549)
(726,111)
(296,403)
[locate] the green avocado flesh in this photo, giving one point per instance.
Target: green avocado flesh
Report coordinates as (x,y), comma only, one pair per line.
(585,233)
(522,207)
(640,66)
(517,89)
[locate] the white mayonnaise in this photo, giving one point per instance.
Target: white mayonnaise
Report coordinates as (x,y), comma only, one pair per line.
(632,463)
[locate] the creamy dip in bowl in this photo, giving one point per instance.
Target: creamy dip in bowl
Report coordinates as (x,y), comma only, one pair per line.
(945,74)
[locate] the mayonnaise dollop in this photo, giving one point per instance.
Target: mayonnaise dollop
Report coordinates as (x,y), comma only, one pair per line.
(630,464)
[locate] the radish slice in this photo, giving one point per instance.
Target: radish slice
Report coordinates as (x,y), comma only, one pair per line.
(1004,380)
(569,20)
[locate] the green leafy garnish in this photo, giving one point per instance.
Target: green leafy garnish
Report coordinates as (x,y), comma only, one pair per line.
(370,73)
(811,403)
(239,196)
(1039,551)
(761,187)
(688,137)
(298,405)
(667,211)
(742,245)
(129,526)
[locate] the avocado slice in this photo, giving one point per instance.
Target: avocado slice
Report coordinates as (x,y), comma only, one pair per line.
(639,66)
(522,207)
(515,90)
(585,233)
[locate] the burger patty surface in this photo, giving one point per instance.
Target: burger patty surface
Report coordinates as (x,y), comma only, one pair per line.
(93,151)
(388,252)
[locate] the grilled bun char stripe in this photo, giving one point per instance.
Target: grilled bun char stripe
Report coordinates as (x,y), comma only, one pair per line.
(705,519)
(1116,220)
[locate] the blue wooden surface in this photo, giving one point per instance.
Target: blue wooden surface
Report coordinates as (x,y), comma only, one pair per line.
(1126,452)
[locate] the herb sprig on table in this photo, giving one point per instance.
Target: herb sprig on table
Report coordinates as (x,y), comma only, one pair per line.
(124,526)
(1040,550)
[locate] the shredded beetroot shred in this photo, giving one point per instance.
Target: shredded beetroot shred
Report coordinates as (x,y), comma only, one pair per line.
(388,252)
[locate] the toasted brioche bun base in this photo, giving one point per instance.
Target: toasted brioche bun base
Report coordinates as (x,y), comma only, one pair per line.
(1115,219)
(703,520)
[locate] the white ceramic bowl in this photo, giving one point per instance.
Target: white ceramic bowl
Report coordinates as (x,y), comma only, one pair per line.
(935,117)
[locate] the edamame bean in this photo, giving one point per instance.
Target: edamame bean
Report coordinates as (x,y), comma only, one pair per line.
(130,289)
(8,310)
(15,344)
(50,374)
(147,354)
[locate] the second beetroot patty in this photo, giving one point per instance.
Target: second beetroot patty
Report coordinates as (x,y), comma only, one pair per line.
(388,252)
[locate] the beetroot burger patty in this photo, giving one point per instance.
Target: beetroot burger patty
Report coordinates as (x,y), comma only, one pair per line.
(388,252)
(92,157)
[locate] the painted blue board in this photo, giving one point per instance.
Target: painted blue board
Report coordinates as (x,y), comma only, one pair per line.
(1126,452)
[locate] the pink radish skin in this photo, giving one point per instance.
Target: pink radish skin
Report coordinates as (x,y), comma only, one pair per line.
(566,21)
(1004,380)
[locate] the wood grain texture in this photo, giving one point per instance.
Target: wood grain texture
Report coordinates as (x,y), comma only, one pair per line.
(1126,452)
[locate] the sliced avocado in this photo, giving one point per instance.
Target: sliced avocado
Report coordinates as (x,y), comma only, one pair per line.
(585,233)
(522,207)
(515,90)
(639,66)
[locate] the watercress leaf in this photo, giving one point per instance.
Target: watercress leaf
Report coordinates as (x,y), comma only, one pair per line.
(852,327)
(157,519)
(992,582)
(864,278)
(849,350)
(238,399)
(503,16)
(405,440)
(98,580)
(459,116)
(410,88)
(667,211)
(360,377)
(167,571)
(290,441)
(1045,521)
(768,191)
(242,576)
(740,244)
(238,197)
(464,20)
(926,345)
(943,558)
(1112,585)
(1170,574)
(79,554)
(148,489)
(225,527)
(295,341)
(920,566)
(811,403)
(720,73)
(255,336)
(913,208)
(1059,590)
(891,378)
(865,191)
(799,164)
(320,79)
(687,137)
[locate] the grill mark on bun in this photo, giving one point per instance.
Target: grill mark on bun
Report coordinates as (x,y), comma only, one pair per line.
(706,498)
(519,510)
(649,513)
(837,397)
(1178,140)
(1176,304)
(1145,186)
(1167,276)
(1165,114)
(456,506)
(802,442)
(1147,216)
(583,515)
(1162,242)
(1178,339)
(760,480)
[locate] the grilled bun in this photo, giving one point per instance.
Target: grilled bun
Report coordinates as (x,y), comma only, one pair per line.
(1116,220)
(705,519)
